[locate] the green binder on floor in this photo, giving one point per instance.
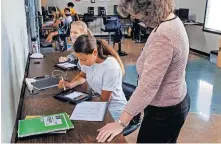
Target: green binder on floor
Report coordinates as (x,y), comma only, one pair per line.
(44,124)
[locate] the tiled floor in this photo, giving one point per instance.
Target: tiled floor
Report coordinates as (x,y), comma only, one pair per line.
(203,78)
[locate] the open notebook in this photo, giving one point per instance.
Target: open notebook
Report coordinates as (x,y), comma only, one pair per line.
(89,111)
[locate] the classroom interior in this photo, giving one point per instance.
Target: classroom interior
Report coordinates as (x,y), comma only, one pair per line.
(24,36)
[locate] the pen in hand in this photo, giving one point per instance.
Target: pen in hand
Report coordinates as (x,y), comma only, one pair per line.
(63,84)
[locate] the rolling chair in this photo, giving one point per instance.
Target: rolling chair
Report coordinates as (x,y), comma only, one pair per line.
(87,18)
(114,27)
(105,21)
(136,121)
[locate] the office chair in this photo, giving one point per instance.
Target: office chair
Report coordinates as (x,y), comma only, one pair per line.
(109,31)
(136,121)
(87,18)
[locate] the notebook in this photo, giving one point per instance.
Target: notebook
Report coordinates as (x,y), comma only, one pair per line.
(45,83)
(44,124)
(29,117)
(89,111)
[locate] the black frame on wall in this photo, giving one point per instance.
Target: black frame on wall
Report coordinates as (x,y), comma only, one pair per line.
(208,29)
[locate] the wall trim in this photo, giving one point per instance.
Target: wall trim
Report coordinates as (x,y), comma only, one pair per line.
(200,52)
(20,104)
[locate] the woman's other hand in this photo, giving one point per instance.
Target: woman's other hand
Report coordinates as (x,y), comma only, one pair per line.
(109,131)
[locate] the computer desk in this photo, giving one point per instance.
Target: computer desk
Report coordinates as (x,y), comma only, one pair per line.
(43,103)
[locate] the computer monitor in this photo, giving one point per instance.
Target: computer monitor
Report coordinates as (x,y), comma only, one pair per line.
(90,10)
(50,8)
(101,11)
(115,9)
(184,14)
(176,12)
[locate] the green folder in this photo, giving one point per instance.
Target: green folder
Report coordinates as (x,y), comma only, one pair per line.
(44,124)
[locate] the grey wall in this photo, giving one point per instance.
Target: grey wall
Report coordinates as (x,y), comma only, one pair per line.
(197,8)
(14,52)
(81,6)
(199,40)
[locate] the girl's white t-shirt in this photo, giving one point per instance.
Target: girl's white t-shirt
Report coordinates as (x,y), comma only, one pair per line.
(107,76)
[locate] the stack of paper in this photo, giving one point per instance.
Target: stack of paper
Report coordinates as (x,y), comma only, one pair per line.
(89,111)
(44,124)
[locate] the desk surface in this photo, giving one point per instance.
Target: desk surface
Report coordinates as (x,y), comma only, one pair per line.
(44,104)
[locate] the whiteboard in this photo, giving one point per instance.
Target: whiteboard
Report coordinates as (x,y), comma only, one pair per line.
(212,21)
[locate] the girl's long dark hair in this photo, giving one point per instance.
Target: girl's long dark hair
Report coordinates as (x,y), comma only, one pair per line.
(87,43)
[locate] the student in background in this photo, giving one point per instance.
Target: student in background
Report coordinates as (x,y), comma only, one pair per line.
(70,5)
(66,20)
(77,28)
(103,69)
(56,17)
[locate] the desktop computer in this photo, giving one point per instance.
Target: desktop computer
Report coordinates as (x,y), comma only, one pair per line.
(183,14)
(101,11)
(91,10)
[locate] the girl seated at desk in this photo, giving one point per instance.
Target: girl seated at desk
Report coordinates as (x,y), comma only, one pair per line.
(103,69)
(77,28)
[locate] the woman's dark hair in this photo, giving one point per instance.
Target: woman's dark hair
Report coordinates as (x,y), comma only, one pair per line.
(86,44)
(151,12)
(70,4)
(67,9)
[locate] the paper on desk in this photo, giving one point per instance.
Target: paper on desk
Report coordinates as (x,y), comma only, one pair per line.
(89,111)
(74,95)
(66,65)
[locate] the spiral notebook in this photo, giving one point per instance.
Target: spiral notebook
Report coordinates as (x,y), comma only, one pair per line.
(44,124)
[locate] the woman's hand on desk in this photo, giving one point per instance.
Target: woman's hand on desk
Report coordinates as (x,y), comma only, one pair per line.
(109,131)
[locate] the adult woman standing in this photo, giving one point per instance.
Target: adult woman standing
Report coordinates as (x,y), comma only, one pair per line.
(161,90)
